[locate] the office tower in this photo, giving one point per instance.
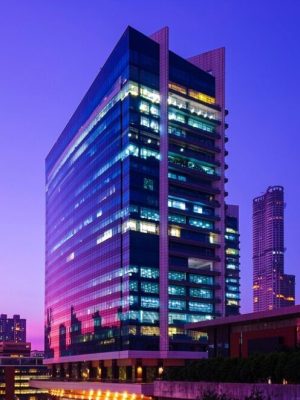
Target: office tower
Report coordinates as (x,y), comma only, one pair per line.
(17,367)
(12,329)
(135,215)
(232,260)
(272,288)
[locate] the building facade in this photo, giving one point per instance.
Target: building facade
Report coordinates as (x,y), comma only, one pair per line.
(135,216)
(17,367)
(12,329)
(249,334)
(232,260)
(272,288)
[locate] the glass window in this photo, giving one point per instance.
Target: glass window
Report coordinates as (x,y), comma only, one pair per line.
(147,227)
(177,88)
(148,184)
(200,223)
(177,204)
(174,231)
(202,279)
(149,302)
(232,295)
(154,110)
(149,287)
(133,286)
(177,305)
(150,273)
(146,153)
(200,307)
(149,213)
(145,121)
(177,276)
(149,94)
(177,290)
(133,300)
(201,96)
(176,117)
(175,318)
(149,317)
(201,125)
(144,107)
(178,219)
(201,293)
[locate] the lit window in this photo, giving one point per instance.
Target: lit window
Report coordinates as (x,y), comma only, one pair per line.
(144,107)
(71,256)
(177,318)
(177,204)
(213,238)
(154,125)
(178,219)
(150,94)
(133,286)
(148,184)
(176,117)
(149,302)
(232,251)
(147,227)
(177,88)
(148,213)
(198,209)
(201,293)
(199,223)
(149,287)
(150,273)
(145,121)
(154,110)
(177,290)
(200,125)
(105,236)
(205,280)
(200,307)
(177,305)
(149,331)
(177,276)
(201,96)
(174,231)
(146,153)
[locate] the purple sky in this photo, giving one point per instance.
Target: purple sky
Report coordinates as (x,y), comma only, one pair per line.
(50,52)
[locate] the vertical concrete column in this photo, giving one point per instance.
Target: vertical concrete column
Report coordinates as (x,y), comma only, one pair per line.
(162,38)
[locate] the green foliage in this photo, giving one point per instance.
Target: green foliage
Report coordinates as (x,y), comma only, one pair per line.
(255,369)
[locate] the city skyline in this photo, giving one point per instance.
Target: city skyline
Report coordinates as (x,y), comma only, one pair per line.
(42,114)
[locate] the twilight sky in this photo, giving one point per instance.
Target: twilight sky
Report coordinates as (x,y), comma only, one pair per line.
(50,52)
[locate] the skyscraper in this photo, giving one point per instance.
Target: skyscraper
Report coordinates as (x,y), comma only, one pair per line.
(135,220)
(232,260)
(12,329)
(272,288)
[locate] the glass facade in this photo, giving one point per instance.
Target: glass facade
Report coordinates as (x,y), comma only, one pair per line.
(232,259)
(103,208)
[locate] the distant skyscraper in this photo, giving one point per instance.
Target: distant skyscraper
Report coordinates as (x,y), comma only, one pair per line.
(136,216)
(272,288)
(12,329)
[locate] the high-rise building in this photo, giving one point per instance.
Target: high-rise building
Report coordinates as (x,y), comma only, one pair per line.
(17,367)
(232,260)
(272,288)
(135,216)
(12,329)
